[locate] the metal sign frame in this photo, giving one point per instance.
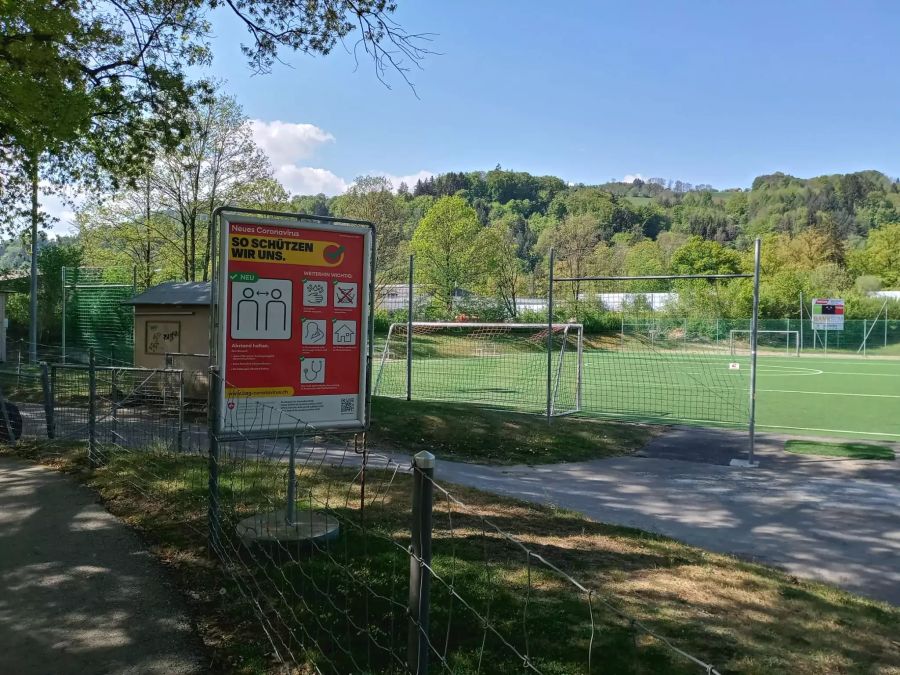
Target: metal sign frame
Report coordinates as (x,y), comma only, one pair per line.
(827,322)
(220,321)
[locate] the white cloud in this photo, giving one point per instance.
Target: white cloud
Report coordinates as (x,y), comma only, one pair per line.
(55,206)
(631,177)
(288,142)
(306,180)
(409,179)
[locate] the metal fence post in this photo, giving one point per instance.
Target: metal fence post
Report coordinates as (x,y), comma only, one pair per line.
(290,512)
(113,394)
(865,335)
(754,327)
(213,513)
(92,409)
(409,330)
(420,563)
(48,398)
(550,339)
(180,439)
(53,379)
(10,432)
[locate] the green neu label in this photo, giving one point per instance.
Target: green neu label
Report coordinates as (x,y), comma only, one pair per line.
(245,277)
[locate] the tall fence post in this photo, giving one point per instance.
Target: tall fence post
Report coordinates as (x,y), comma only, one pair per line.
(409,330)
(114,396)
(754,328)
(213,514)
(92,409)
(865,335)
(420,563)
(48,398)
(179,440)
(550,339)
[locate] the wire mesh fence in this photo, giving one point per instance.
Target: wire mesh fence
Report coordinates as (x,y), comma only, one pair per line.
(502,365)
(312,539)
(315,528)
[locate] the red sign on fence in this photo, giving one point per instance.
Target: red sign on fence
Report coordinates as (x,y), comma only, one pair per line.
(293,324)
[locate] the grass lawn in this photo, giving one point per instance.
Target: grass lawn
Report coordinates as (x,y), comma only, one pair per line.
(813,395)
(471,433)
(848,450)
(349,599)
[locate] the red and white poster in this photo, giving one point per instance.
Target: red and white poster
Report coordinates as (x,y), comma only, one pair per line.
(293,324)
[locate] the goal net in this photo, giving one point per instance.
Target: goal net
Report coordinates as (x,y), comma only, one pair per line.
(497,364)
(785,342)
(657,349)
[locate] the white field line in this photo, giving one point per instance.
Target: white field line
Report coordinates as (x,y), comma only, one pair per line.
(832,431)
(825,393)
(828,372)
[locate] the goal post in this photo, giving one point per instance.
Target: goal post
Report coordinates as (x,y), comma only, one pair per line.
(650,368)
(494,364)
(739,341)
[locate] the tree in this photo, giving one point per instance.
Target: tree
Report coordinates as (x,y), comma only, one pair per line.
(505,269)
(128,231)
(53,257)
(89,90)
(645,259)
(446,246)
(701,256)
(573,240)
(371,198)
(210,168)
(881,255)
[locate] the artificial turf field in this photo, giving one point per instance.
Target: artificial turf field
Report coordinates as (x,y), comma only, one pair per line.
(810,395)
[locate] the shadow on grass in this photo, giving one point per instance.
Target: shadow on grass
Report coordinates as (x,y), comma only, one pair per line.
(343,607)
(846,450)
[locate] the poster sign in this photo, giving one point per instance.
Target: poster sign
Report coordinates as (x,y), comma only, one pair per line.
(828,314)
(293,324)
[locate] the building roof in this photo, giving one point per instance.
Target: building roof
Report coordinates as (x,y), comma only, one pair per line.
(173,293)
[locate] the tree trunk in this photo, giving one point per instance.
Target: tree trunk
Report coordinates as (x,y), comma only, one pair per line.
(33,328)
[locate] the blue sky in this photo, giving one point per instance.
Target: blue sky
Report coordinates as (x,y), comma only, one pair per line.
(704,91)
(708,92)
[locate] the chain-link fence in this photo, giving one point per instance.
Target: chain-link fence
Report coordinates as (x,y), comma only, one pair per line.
(311,536)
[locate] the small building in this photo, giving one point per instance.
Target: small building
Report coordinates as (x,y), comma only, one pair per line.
(171,329)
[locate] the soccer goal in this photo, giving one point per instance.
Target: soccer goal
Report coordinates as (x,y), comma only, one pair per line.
(787,341)
(497,364)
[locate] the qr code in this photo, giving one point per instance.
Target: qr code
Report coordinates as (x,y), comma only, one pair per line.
(348,406)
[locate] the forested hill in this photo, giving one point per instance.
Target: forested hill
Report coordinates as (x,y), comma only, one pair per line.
(842,205)
(489,233)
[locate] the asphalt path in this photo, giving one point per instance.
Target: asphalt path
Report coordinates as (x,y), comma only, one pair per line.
(79,593)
